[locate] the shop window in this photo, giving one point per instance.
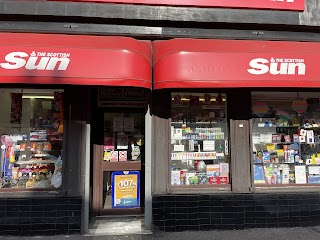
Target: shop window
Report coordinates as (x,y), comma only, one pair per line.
(285,137)
(31,128)
(199,140)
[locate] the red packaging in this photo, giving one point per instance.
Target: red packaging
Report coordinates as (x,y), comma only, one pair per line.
(223,180)
(214,180)
(182,176)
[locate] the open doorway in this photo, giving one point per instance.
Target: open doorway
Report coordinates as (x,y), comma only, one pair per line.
(118,160)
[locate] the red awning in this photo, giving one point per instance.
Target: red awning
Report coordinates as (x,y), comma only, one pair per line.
(201,63)
(74,59)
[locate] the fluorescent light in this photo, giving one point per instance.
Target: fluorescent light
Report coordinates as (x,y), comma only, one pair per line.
(200,99)
(37,96)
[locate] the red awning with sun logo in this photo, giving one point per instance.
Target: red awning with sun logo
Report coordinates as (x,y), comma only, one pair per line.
(71,59)
(202,63)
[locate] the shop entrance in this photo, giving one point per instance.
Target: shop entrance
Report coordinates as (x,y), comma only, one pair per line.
(118,136)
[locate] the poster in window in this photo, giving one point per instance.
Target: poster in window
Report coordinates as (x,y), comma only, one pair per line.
(57,102)
(122,142)
(128,124)
(108,142)
(126,189)
(300,174)
(16,108)
(118,124)
(258,174)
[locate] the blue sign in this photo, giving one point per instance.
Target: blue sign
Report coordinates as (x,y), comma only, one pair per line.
(125,189)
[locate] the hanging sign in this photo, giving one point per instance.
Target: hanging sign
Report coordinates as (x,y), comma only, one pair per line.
(126,189)
(121,97)
(294,5)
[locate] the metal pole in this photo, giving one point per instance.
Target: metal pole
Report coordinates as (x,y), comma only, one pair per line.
(86,183)
(148,171)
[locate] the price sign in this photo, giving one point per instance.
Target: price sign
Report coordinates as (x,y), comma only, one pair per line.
(126,189)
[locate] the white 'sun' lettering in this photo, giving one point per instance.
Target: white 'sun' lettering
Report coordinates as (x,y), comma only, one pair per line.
(42,61)
(285,66)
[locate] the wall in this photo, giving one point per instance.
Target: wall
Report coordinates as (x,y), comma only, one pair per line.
(40,216)
(235,211)
(310,16)
(150,13)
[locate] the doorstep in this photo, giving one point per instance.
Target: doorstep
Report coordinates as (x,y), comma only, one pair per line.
(117,225)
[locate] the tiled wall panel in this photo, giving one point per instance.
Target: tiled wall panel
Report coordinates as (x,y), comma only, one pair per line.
(235,211)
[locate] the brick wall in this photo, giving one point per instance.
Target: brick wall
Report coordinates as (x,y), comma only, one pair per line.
(40,216)
(235,211)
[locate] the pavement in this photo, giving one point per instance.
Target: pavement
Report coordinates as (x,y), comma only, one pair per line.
(306,233)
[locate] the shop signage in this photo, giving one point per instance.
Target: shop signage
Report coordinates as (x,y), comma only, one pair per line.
(36,61)
(73,65)
(126,189)
(295,5)
(287,66)
(120,94)
(121,97)
(237,68)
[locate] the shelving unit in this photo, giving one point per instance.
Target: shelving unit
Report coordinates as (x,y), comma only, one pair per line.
(285,162)
(199,142)
(32,165)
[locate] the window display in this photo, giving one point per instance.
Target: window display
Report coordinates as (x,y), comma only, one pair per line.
(31,128)
(285,137)
(199,139)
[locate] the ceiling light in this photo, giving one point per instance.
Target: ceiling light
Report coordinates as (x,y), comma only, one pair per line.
(37,96)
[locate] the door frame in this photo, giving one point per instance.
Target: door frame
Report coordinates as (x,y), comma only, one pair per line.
(99,167)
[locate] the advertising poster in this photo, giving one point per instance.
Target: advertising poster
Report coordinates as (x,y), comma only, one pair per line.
(258,174)
(16,108)
(118,124)
(126,189)
(122,142)
(128,124)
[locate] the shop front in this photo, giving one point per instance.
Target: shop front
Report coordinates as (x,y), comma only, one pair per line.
(240,124)
(48,91)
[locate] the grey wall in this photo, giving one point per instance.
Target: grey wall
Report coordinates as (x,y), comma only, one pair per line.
(162,13)
(311,15)
(77,115)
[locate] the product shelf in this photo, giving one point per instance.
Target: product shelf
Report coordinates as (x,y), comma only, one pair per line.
(34,162)
(197,159)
